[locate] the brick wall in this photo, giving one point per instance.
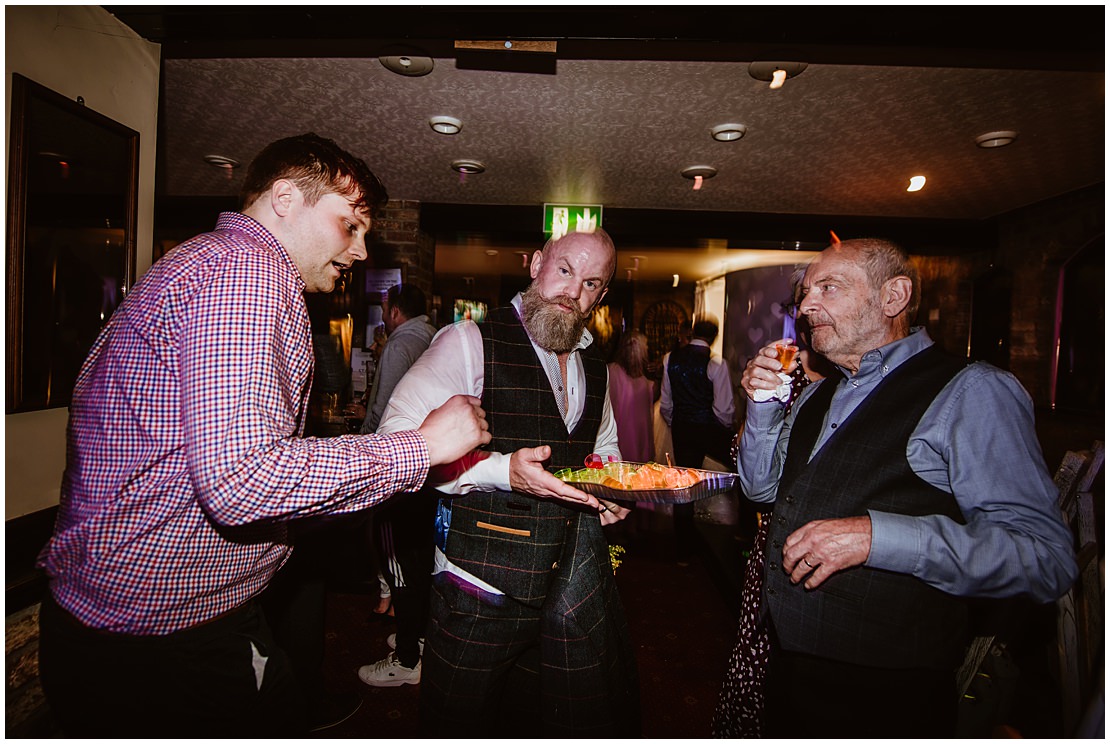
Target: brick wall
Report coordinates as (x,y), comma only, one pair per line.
(398,242)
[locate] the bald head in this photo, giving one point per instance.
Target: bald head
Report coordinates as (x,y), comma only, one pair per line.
(596,242)
(570,276)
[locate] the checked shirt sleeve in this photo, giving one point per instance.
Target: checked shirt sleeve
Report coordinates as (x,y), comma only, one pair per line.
(246,365)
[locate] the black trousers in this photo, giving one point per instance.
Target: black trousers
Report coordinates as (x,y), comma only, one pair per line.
(692,442)
(405,532)
(198,682)
(811,697)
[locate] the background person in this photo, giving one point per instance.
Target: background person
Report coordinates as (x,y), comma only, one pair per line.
(632,394)
(904,485)
(185,462)
(403,528)
(527,634)
(697,403)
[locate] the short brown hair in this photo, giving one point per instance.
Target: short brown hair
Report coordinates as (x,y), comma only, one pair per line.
(409,299)
(317,166)
(706,327)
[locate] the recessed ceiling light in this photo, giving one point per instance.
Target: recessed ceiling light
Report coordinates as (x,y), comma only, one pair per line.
(445,124)
(776,72)
(916,183)
(407,63)
(728,132)
(221,161)
(698,174)
(996,139)
(705,171)
(468,167)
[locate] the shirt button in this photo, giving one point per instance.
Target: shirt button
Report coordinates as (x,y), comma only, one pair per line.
(776,544)
(834,426)
(789,499)
(772,566)
(855,383)
(771,592)
(782,520)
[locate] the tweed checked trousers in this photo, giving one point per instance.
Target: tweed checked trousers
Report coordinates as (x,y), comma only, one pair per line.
(493,666)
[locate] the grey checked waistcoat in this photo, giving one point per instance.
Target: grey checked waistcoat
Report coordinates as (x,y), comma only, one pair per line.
(510,540)
(863,615)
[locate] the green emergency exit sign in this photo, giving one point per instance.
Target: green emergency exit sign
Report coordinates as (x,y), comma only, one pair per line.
(560,219)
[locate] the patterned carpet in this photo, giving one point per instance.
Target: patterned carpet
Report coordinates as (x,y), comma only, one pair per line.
(682,629)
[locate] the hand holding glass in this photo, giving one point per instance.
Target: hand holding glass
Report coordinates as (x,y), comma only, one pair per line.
(786,354)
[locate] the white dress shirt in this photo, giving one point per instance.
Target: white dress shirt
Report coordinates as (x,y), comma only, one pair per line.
(454,364)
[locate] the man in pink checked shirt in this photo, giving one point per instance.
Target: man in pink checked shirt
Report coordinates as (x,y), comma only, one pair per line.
(185,462)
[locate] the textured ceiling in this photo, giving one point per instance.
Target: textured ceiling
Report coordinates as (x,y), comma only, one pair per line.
(887,94)
(835,140)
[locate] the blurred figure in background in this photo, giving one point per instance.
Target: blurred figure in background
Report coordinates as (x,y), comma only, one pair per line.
(697,403)
(403,529)
(633,395)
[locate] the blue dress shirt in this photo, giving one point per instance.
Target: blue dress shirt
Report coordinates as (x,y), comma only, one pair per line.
(976,441)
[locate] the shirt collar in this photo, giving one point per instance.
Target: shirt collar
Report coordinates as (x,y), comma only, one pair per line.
(587,337)
(242,223)
(885,359)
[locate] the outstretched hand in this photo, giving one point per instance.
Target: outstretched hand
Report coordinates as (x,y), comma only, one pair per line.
(528,475)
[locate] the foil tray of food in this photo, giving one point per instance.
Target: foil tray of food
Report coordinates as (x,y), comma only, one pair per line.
(648,482)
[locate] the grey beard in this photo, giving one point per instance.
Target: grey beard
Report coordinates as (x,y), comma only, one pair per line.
(550,327)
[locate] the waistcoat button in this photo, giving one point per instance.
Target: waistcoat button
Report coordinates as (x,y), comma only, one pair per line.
(554,565)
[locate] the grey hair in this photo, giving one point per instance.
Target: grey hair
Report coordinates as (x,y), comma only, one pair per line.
(883,260)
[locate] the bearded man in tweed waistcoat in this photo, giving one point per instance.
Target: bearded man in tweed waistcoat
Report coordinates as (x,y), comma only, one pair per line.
(527,634)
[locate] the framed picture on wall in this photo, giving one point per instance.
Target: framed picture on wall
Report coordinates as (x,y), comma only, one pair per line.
(72,201)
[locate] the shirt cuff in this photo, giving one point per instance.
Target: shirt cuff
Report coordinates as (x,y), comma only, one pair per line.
(896,542)
(407,454)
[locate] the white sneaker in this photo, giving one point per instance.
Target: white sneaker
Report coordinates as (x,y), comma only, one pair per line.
(391,641)
(389,672)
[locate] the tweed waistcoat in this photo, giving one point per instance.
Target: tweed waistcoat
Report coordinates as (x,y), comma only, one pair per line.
(863,615)
(691,388)
(514,541)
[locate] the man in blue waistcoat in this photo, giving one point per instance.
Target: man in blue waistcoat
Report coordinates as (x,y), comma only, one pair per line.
(903,487)
(696,402)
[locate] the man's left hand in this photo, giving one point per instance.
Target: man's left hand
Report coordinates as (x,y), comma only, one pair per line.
(528,475)
(821,548)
